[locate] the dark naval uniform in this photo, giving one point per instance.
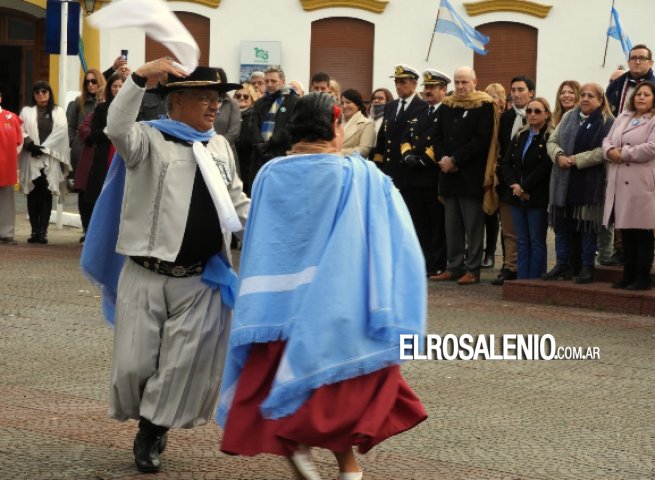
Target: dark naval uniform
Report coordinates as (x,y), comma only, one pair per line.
(387,150)
(421,188)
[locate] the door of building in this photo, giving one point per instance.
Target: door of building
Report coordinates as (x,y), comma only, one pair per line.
(22,61)
(10,73)
(512,52)
(343,48)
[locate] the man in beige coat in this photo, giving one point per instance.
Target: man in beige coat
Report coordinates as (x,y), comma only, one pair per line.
(181,202)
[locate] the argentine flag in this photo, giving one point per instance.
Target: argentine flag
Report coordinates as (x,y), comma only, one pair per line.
(451,23)
(615,30)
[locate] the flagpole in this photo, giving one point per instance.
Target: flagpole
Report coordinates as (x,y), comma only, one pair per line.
(434,30)
(607,35)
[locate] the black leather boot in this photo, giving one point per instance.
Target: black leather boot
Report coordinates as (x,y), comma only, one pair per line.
(642,279)
(586,275)
(149,442)
(559,271)
(629,276)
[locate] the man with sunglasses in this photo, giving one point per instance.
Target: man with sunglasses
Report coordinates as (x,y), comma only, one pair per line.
(181,201)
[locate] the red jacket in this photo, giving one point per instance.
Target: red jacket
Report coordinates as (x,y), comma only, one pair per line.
(11,137)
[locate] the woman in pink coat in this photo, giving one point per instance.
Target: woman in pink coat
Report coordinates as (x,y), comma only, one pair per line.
(630,191)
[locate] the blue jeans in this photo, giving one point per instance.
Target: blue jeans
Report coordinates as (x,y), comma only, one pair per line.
(530,225)
(564,228)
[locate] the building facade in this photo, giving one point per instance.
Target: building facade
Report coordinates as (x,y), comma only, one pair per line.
(359,41)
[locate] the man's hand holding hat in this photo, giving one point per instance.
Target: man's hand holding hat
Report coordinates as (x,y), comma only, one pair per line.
(152,71)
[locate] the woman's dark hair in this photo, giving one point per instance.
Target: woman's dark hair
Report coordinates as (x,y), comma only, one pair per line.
(43,85)
(110,81)
(631,103)
(312,118)
(355,97)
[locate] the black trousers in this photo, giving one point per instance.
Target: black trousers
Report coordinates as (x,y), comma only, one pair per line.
(638,251)
(39,206)
(429,222)
(491,227)
(85,210)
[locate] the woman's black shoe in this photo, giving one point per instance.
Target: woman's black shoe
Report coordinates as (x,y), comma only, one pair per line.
(586,275)
(639,285)
(622,284)
(559,271)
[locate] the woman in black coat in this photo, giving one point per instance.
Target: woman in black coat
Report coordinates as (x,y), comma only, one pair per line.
(526,169)
(100,153)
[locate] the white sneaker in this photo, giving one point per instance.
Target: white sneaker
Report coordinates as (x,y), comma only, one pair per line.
(350,476)
(303,464)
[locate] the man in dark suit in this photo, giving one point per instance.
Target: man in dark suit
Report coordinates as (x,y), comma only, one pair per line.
(420,193)
(463,147)
(397,116)
(511,121)
(267,129)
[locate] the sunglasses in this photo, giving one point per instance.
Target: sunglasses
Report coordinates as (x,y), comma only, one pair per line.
(41,91)
(91,81)
(536,111)
(242,96)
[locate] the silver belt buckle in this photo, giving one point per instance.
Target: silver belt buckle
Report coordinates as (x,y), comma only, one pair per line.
(178,271)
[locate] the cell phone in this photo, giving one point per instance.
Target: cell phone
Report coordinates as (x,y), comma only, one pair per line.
(124,54)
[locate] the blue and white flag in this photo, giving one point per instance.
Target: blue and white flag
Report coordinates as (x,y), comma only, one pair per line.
(616,31)
(451,23)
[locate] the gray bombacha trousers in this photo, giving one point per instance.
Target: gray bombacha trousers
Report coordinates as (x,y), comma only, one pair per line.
(169,348)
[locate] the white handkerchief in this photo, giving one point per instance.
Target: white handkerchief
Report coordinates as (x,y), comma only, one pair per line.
(158,22)
(227,215)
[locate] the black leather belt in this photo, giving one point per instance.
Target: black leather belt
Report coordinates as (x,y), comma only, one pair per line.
(170,269)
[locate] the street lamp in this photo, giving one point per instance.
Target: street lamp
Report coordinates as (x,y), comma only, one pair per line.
(89,6)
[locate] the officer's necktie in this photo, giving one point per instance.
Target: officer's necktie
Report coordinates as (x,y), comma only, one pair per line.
(431,110)
(402,108)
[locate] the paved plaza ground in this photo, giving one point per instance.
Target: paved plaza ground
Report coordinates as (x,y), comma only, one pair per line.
(488,420)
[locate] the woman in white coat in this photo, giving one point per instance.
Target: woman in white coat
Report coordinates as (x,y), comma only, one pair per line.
(44,162)
(630,191)
(359,131)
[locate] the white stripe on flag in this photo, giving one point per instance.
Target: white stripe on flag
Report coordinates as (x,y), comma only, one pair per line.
(276,283)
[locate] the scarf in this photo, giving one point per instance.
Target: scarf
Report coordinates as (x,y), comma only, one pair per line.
(55,161)
(268,125)
(519,120)
(586,191)
(473,100)
(377,110)
(100,262)
(338,279)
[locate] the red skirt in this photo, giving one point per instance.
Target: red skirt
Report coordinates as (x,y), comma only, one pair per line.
(362,411)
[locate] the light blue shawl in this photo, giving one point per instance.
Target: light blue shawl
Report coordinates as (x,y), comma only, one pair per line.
(332,265)
(100,262)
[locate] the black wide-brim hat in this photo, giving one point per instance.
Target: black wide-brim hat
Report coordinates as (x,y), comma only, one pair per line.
(201,77)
